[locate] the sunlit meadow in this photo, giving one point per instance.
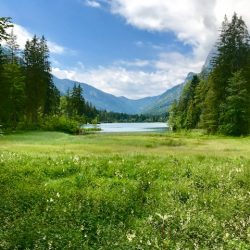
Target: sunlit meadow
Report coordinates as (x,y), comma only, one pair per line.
(124,191)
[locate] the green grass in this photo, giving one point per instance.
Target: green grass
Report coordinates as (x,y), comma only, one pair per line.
(124,191)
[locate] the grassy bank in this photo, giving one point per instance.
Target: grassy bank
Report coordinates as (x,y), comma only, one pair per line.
(124,191)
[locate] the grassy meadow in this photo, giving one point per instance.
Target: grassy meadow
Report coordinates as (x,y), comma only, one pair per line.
(124,191)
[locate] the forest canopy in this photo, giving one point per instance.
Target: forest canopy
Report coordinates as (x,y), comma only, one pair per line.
(219,101)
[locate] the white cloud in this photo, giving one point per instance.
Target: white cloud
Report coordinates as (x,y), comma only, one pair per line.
(135,63)
(195,22)
(23,35)
(130,79)
(55,48)
(118,80)
(92,3)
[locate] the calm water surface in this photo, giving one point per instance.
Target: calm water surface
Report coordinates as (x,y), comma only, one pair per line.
(132,127)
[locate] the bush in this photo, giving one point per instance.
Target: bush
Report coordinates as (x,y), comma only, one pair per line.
(62,124)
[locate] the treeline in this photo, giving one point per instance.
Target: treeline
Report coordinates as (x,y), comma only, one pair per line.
(105,116)
(28,96)
(218,101)
(30,100)
(27,91)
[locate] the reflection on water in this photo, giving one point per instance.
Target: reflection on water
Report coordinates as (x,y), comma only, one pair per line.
(131,127)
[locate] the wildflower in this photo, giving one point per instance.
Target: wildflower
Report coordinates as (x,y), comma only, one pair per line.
(149,243)
(226,236)
(57,194)
(164,217)
(150,218)
(130,237)
(51,200)
(76,159)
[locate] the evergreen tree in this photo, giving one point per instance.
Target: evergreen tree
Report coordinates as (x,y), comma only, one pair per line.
(232,55)
(76,102)
(15,99)
(5,23)
(42,96)
(235,119)
(13,48)
(174,117)
(191,119)
(183,114)
(219,101)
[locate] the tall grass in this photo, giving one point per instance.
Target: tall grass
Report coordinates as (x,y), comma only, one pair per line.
(126,200)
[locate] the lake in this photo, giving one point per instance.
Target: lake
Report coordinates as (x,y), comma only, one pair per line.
(131,127)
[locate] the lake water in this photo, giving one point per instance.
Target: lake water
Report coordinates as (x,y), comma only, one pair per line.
(132,127)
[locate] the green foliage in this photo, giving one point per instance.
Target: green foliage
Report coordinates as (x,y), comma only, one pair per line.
(13,110)
(60,196)
(28,96)
(40,90)
(27,91)
(184,113)
(105,116)
(75,102)
(60,123)
(218,102)
(5,23)
(235,119)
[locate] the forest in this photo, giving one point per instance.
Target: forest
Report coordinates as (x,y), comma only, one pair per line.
(217,99)
(29,99)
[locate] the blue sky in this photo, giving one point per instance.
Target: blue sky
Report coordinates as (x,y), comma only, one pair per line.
(124,47)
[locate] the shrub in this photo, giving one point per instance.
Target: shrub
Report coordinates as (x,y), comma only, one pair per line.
(61,123)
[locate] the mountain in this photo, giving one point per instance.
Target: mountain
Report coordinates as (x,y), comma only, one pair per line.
(207,67)
(104,101)
(165,100)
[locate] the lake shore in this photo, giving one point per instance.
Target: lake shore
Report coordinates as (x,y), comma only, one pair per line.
(126,127)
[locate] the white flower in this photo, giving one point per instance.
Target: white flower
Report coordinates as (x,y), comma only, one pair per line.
(76,159)
(130,236)
(164,217)
(150,218)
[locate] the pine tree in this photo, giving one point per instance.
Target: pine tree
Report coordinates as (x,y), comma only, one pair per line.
(190,119)
(15,99)
(42,96)
(232,55)
(13,48)
(77,102)
(5,23)
(235,119)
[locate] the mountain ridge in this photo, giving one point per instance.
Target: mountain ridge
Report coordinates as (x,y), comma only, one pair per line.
(157,105)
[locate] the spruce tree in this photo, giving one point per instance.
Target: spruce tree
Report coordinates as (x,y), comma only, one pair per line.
(235,119)
(42,96)
(13,48)
(5,23)
(232,55)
